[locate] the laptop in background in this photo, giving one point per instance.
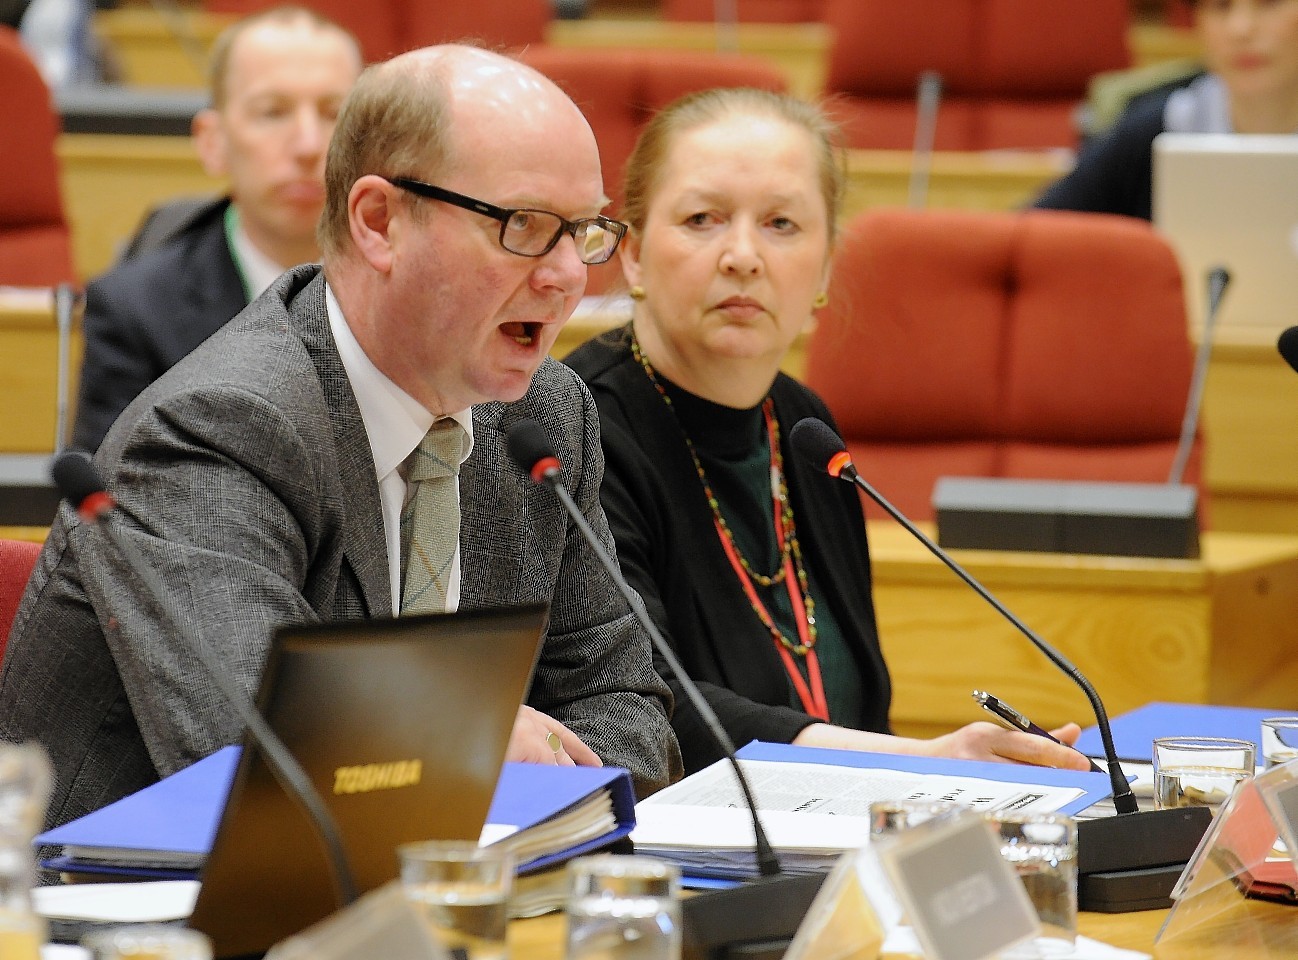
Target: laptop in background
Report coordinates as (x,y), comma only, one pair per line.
(402,726)
(1232,199)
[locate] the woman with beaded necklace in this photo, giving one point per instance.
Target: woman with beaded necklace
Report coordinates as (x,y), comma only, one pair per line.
(753,564)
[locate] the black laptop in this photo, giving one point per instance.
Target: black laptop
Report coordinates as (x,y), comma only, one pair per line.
(401,725)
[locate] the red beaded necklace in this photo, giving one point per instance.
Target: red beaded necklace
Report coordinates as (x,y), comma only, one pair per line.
(790,570)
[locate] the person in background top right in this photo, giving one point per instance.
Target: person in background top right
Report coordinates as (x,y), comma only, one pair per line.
(1250,85)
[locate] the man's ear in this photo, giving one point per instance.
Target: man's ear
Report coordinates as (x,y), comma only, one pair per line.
(210,142)
(372,205)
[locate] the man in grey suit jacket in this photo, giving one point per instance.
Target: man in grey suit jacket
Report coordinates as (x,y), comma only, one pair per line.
(262,476)
(278,78)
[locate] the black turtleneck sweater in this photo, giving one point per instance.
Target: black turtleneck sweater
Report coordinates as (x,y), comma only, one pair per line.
(670,552)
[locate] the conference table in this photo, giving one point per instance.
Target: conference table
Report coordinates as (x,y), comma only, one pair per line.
(542,938)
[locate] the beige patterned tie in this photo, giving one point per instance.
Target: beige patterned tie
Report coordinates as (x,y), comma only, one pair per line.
(430,522)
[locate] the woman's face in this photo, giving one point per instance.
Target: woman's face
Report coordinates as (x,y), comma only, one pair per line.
(1251,44)
(734,249)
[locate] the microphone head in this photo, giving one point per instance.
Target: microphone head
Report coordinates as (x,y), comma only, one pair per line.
(1288,347)
(531,450)
(78,480)
(816,441)
(75,475)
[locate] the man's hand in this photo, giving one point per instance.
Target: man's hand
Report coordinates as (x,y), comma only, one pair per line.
(537,738)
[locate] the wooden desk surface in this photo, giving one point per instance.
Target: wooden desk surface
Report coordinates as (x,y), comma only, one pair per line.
(541,938)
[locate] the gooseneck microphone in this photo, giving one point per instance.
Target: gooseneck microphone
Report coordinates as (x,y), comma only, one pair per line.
(722,922)
(1288,347)
(819,444)
(532,451)
(77,479)
(1129,841)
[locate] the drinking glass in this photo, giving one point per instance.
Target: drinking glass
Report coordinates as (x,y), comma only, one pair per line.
(1199,771)
(1279,740)
(148,941)
(1042,848)
(462,891)
(889,817)
(623,908)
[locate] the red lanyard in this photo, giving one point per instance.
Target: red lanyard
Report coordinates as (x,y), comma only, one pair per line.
(813,696)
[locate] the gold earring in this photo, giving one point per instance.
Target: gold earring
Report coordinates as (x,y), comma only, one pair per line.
(821,300)
(637,292)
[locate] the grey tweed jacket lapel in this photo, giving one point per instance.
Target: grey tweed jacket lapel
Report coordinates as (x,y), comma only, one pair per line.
(364,545)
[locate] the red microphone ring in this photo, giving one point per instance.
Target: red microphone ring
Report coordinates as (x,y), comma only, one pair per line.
(543,467)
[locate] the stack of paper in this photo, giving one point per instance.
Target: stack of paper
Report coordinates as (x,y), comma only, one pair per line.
(815,803)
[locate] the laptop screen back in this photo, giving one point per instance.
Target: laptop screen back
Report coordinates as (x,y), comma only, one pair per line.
(1232,200)
(401,725)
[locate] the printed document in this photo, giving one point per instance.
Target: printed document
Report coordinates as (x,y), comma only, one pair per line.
(811,812)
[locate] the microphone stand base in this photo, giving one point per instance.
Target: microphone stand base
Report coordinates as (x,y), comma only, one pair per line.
(755,921)
(1131,861)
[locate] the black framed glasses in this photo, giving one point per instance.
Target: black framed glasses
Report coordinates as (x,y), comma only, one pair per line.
(531,233)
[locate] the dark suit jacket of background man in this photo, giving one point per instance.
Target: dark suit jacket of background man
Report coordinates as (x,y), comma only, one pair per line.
(245,476)
(149,311)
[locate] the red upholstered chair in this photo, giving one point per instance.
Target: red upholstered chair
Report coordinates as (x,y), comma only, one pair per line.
(17,560)
(35,244)
(620,89)
(748,11)
(1035,345)
(388,27)
(1013,71)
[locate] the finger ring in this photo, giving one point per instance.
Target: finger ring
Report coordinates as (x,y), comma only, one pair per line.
(555,743)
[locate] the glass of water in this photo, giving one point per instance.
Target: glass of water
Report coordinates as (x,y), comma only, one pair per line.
(623,908)
(890,817)
(1042,848)
(1199,771)
(1279,740)
(148,942)
(462,891)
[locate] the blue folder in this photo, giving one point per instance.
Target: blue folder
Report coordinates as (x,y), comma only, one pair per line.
(170,826)
(1134,732)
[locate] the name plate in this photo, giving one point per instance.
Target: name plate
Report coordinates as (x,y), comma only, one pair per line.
(963,900)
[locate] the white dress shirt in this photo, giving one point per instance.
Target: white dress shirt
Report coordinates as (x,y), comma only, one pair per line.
(395,422)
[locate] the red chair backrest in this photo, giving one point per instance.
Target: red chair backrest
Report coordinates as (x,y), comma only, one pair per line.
(35,244)
(1036,345)
(17,560)
(1013,71)
(388,27)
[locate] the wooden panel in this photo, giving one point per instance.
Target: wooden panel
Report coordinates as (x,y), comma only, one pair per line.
(29,348)
(160,47)
(1250,415)
(1223,629)
(988,180)
(110,181)
(1152,43)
